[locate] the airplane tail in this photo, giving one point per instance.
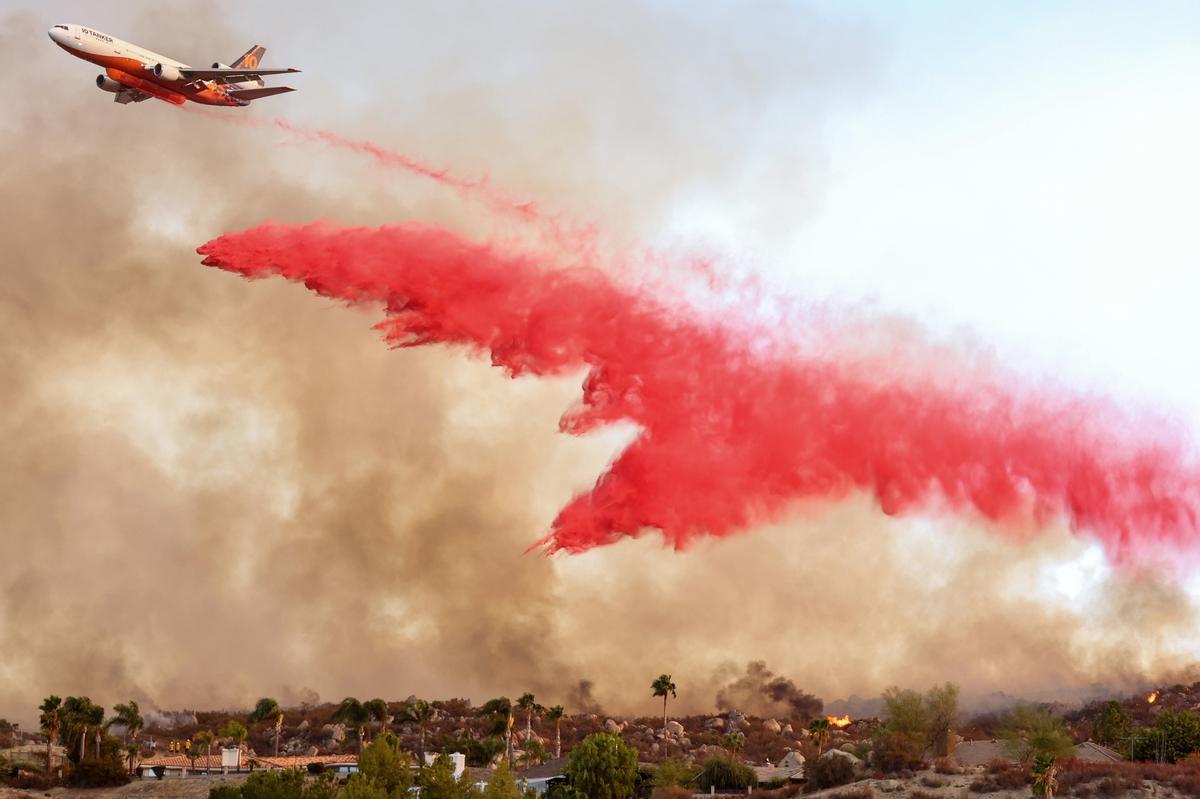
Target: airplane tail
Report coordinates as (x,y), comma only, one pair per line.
(251,59)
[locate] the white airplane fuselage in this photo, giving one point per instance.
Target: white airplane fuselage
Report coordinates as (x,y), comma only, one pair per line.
(129,67)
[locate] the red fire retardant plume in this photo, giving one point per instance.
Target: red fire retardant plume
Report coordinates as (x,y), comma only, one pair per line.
(730,437)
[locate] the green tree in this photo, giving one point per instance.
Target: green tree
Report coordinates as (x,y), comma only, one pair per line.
(79,717)
(236,733)
(906,715)
(360,787)
(354,715)
(603,766)
(500,711)
(204,740)
(437,781)
(377,711)
(1029,732)
(675,772)
(386,766)
(502,785)
(941,714)
(818,730)
(420,713)
(1173,737)
(266,709)
(130,718)
(662,687)
(1045,776)
(51,723)
(556,714)
(1113,726)
(735,742)
(726,774)
(287,784)
(526,702)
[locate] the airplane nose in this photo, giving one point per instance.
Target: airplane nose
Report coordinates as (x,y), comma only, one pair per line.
(55,34)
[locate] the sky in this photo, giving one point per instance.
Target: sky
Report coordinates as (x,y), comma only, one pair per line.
(1017,181)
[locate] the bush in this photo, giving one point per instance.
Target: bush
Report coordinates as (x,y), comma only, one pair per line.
(674,772)
(944,765)
(103,773)
(930,781)
(919,794)
(892,752)
(854,793)
(1001,775)
(829,772)
(726,774)
(225,792)
(672,792)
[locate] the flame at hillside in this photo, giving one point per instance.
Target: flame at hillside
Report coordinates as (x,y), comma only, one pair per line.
(838,721)
(1152,697)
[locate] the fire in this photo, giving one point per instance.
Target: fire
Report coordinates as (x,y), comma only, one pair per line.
(839,722)
(1153,697)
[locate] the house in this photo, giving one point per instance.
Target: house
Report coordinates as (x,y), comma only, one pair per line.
(538,777)
(790,768)
(980,753)
(176,765)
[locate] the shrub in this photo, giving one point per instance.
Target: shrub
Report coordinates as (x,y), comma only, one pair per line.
(919,794)
(102,773)
(944,765)
(1001,775)
(930,781)
(674,772)
(892,752)
(854,793)
(672,792)
(725,773)
(829,772)
(225,792)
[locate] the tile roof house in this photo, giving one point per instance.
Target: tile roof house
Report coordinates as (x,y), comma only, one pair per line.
(173,765)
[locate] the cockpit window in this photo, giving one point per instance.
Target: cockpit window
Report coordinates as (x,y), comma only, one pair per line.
(61,27)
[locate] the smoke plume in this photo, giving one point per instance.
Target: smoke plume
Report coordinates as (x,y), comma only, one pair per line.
(762,692)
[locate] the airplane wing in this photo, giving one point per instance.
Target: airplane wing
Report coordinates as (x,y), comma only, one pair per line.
(254,94)
(232,74)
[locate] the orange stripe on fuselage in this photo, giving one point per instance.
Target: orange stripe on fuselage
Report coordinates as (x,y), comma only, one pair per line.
(134,69)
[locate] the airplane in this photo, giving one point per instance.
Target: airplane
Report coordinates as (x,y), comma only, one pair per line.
(132,74)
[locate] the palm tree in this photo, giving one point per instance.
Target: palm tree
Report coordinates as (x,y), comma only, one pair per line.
(205,738)
(500,710)
(418,712)
(556,714)
(265,709)
(377,710)
(663,686)
(353,713)
(236,732)
(527,703)
(734,742)
(51,721)
(819,729)
(129,717)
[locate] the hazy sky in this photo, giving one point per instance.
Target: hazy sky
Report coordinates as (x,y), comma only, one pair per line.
(1020,176)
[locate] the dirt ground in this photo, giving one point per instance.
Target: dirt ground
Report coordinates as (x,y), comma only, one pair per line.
(196,787)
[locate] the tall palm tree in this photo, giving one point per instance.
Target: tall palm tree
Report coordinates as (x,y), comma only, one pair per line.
(354,714)
(267,708)
(377,711)
(819,729)
(500,710)
(418,712)
(663,686)
(51,721)
(526,702)
(128,716)
(734,742)
(556,714)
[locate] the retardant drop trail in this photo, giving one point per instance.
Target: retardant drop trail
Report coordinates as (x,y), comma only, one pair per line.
(729,438)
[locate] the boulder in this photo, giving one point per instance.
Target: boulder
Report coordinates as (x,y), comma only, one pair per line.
(735,719)
(335,732)
(888,786)
(787,729)
(854,760)
(611,725)
(303,726)
(312,751)
(771,725)
(716,723)
(674,728)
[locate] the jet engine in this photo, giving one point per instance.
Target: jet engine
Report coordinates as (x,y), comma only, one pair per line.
(168,72)
(107,84)
(219,65)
